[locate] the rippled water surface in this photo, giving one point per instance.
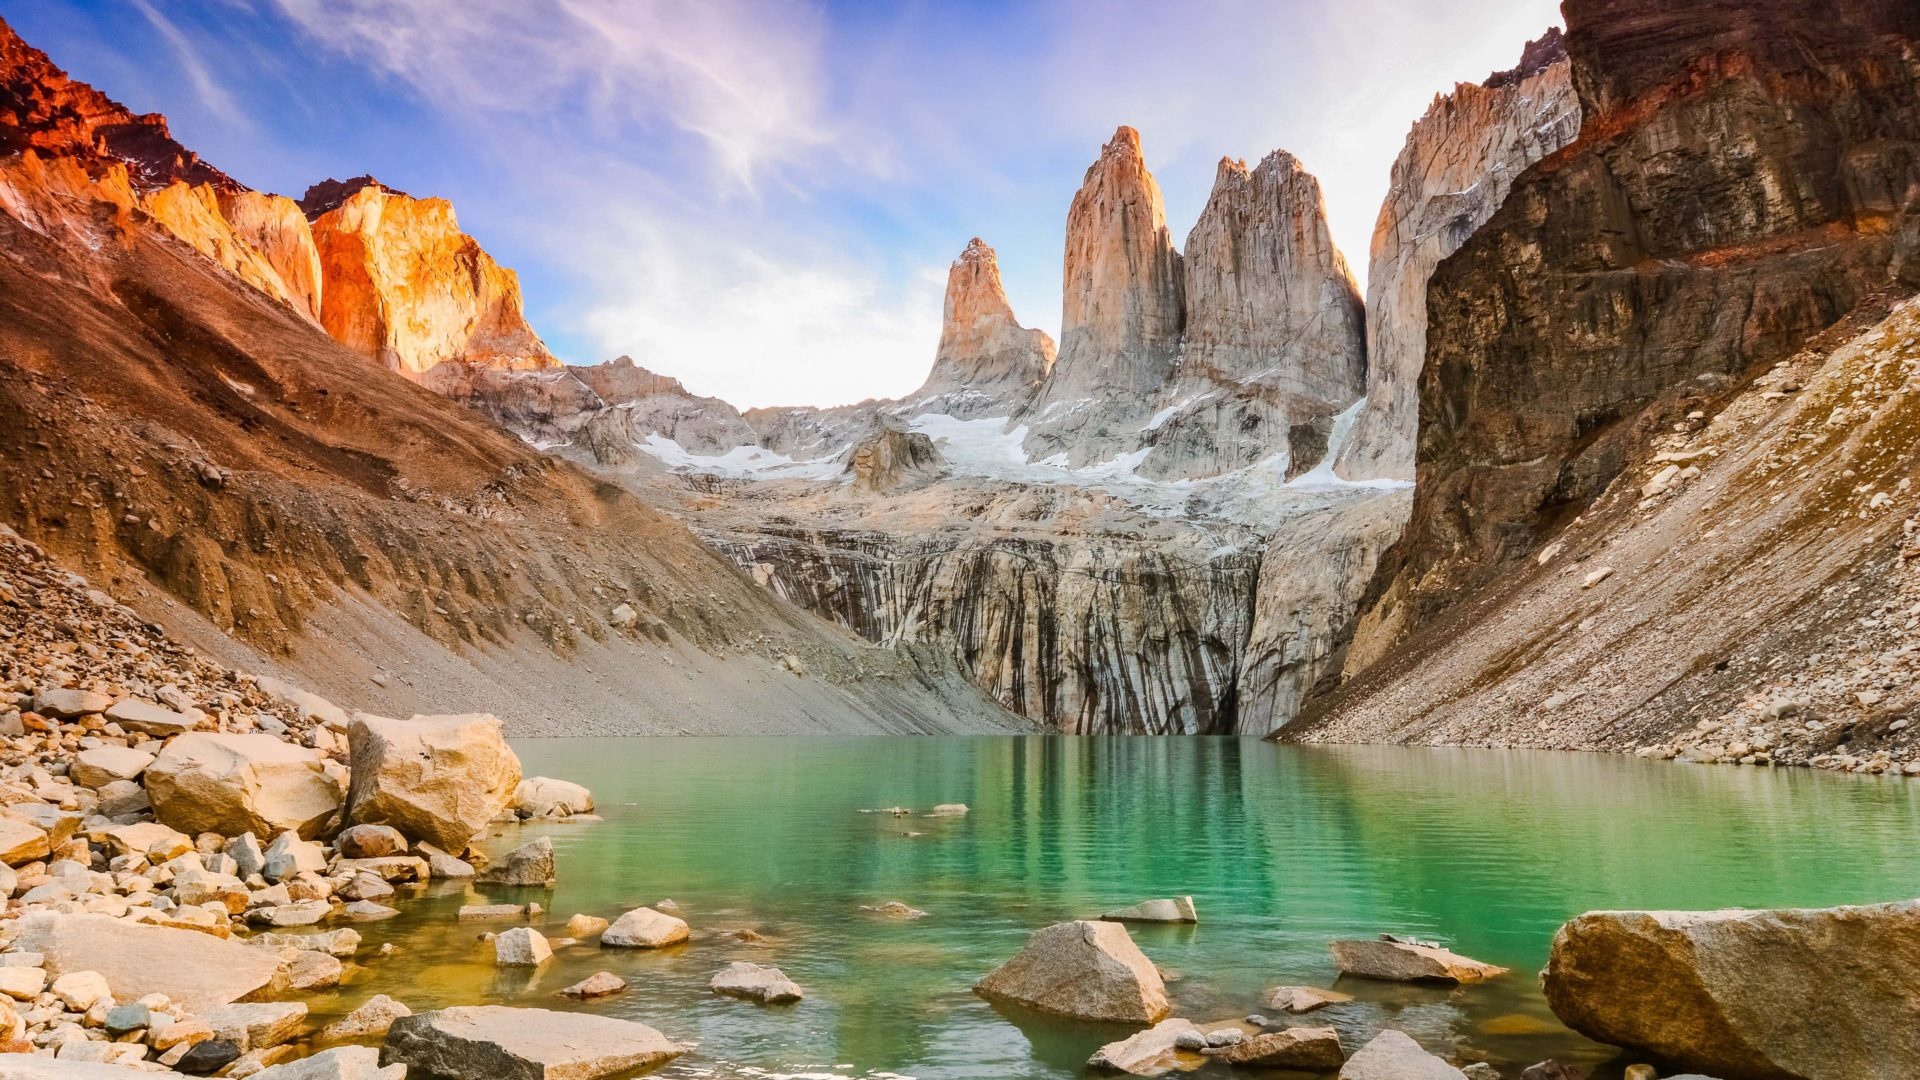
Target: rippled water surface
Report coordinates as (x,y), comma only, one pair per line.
(1283,849)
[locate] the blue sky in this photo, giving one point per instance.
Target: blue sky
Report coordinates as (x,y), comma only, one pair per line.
(761,197)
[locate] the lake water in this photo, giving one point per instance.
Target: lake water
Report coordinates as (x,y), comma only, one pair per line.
(1283,849)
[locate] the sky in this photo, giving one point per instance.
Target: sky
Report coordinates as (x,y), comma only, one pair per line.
(761,197)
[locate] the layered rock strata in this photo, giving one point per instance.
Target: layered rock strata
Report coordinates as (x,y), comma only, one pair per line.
(1459,162)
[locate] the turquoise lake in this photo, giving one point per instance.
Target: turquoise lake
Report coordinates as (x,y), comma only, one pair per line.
(1283,848)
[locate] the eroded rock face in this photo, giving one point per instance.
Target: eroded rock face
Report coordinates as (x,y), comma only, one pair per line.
(1731,194)
(1086,970)
(892,459)
(262,239)
(1459,162)
(1747,995)
(1122,317)
(406,288)
(987,364)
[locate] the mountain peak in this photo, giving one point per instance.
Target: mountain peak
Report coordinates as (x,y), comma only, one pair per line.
(328,194)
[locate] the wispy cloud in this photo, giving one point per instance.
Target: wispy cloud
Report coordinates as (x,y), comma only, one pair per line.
(210,92)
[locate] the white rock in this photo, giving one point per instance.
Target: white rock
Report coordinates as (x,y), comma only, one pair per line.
(521,946)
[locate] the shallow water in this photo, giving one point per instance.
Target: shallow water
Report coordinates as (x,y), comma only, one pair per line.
(1283,848)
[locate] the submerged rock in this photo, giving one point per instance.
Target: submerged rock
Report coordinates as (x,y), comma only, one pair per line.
(493,1042)
(1406,961)
(1306,1049)
(767,985)
(1150,1052)
(529,864)
(644,928)
(1300,999)
(1088,970)
(597,985)
(1827,992)
(894,909)
(1393,1055)
(1177,910)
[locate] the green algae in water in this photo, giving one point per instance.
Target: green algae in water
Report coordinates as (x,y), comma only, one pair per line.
(1283,849)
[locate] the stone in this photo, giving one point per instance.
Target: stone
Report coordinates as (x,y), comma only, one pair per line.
(435,778)
(103,1053)
(310,970)
(208,1057)
(766,985)
(102,765)
(1640,1072)
(197,971)
(370,842)
(521,946)
(597,985)
(1085,970)
(493,1042)
(1150,1052)
(643,928)
(247,855)
(543,796)
(21,841)
(232,784)
(442,864)
(894,909)
(367,911)
(948,809)
(22,983)
(1480,1070)
(1301,999)
(1393,1055)
(373,1017)
(492,912)
(150,719)
(1551,1070)
(1305,1049)
(70,704)
(336,1063)
(251,1026)
(148,838)
(1177,910)
(1747,993)
(298,913)
(289,856)
(342,943)
(1402,961)
(530,864)
(582,927)
(78,990)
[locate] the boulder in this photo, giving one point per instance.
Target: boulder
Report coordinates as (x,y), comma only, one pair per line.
(1300,999)
(373,1017)
(1150,1052)
(491,912)
(643,928)
(435,778)
(1393,1055)
(68,704)
(342,943)
(530,864)
(894,909)
(1087,970)
(79,990)
(1303,1049)
(1551,1070)
(338,1063)
(289,856)
(1815,992)
(209,1057)
(21,841)
(1406,961)
(949,809)
(150,719)
(370,842)
(149,838)
(521,946)
(257,1025)
(441,863)
(586,926)
(232,784)
(597,985)
(494,1042)
(766,985)
(197,971)
(1177,910)
(543,796)
(102,765)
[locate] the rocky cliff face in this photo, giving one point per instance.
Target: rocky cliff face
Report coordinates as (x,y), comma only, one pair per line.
(262,239)
(407,289)
(987,364)
(1736,190)
(1459,162)
(1122,315)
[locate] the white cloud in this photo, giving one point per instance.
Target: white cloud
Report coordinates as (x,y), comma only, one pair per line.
(208,89)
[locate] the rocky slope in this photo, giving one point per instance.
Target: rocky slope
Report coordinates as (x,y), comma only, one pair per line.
(1459,162)
(1665,457)
(205,452)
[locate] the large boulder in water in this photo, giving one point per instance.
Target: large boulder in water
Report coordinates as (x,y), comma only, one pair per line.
(1084,969)
(1832,993)
(1393,1055)
(1394,960)
(435,778)
(494,1042)
(207,781)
